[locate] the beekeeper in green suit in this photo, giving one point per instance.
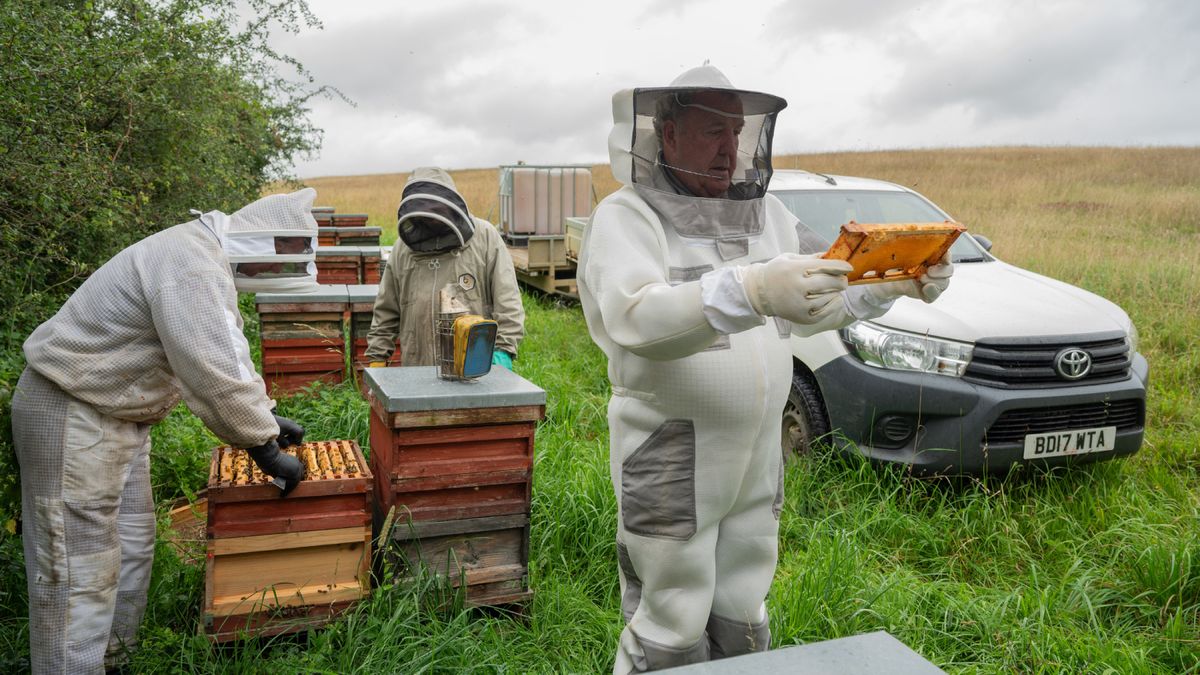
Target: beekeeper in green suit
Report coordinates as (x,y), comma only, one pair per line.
(442,243)
(157,323)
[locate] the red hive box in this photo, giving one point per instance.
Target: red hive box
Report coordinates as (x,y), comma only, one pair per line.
(338,264)
(303,338)
(326,236)
(372,264)
(277,565)
(453,463)
(362,311)
(349,220)
(323,215)
(355,236)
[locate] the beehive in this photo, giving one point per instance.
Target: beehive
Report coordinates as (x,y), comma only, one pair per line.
(349,220)
(356,236)
(323,215)
(303,338)
(372,264)
(326,235)
(279,565)
(338,264)
(455,461)
(362,311)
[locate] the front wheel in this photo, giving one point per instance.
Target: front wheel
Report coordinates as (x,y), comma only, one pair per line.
(805,420)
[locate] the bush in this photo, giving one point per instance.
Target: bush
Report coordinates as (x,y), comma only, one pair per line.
(116,118)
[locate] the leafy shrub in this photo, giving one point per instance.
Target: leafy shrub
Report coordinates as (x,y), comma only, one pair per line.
(116,118)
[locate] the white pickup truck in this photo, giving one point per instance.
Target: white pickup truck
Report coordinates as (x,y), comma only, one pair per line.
(1007,367)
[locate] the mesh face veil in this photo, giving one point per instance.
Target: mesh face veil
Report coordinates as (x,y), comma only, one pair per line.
(703,102)
(433,217)
(270,243)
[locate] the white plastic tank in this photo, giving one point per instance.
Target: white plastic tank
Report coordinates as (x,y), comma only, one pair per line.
(537,199)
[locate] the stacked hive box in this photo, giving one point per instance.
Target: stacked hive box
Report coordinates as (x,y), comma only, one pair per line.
(362,310)
(355,236)
(349,220)
(326,235)
(303,338)
(372,264)
(338,264)
(323,215)
(455,461)
(281,565)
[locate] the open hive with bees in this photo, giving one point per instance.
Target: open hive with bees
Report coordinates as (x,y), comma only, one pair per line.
(276,565)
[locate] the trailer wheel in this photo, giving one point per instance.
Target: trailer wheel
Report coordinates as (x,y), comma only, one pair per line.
(805,420)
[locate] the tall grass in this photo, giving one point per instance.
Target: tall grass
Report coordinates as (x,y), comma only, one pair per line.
(1088,570)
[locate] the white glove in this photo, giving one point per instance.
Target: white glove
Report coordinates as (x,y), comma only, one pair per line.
(868,301)
(928,287)
(803,289)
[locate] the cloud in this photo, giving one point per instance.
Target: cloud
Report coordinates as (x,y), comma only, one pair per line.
(471,83)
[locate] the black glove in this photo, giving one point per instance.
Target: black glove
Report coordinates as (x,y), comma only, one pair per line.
(290,433)
(282,466)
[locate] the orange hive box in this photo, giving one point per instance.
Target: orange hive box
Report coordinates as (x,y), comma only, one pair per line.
(893,251)
(278,565)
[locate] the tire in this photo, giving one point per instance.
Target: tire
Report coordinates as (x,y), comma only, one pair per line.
(805,420)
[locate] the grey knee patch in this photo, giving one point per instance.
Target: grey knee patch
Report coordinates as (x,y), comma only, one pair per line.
(658,483)
(632,596)
(660,657)
(732,638)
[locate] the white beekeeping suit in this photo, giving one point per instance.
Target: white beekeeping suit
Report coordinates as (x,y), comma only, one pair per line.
(157,323)
(691,282)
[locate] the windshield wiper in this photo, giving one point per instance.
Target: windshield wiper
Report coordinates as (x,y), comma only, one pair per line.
(971,260)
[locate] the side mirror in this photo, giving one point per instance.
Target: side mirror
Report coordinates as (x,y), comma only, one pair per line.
(982,241)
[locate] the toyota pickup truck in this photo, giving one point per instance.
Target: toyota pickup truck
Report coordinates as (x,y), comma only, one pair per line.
(1007,367)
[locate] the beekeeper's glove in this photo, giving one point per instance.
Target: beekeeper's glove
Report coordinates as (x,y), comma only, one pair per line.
(290,433)
(502,358)
(867,301)
(803,289)
(283,466)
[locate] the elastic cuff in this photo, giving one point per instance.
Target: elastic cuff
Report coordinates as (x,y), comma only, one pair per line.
(724,302)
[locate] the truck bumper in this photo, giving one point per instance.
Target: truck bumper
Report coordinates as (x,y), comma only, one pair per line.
(944,425)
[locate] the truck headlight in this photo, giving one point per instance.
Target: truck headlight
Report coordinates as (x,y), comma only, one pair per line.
(1131,338)
(886,348)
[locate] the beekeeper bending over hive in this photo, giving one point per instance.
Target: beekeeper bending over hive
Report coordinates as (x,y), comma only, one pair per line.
(157,323)
(691,278)
(442,243)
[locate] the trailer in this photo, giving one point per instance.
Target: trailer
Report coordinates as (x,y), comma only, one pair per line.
(536,203)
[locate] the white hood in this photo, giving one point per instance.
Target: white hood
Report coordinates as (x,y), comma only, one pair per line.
(248,236)
(995,300)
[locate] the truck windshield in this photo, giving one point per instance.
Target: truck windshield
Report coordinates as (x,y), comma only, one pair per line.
(825,211)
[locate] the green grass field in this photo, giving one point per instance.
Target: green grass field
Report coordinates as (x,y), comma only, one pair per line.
(1089,570)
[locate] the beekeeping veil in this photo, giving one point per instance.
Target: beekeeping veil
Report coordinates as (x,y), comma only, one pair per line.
(635,153)
(433,217)
(270,243)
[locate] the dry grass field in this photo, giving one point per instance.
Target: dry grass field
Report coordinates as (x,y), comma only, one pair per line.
(1038,205)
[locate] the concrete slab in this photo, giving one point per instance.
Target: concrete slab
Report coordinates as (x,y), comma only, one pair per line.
(866,654)
(418,388)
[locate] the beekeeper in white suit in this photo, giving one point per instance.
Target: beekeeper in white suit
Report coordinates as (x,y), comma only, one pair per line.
(159,322)
(692,278)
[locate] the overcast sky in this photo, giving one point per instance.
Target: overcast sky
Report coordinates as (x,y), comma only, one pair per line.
(473,83)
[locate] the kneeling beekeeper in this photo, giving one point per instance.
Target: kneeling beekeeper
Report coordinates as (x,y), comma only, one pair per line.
(157,323)
(692,278)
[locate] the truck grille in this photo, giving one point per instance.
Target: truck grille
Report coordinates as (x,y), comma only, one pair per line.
(1025,364)
(1013,425)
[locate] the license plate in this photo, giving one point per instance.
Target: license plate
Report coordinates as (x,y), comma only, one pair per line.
(1073,442)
